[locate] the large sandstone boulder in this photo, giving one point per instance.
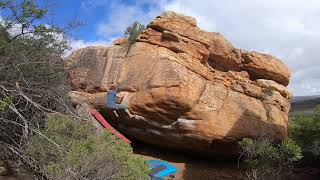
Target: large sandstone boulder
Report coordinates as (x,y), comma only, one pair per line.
(191,89)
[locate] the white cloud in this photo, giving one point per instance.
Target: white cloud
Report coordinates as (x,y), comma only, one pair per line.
(15,28)
(121,15)
(76,44)
(288,29)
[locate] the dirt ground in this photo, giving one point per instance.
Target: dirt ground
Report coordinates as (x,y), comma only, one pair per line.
(195,168)
(191,167)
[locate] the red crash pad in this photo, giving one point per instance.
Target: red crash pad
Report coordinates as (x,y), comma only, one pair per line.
(106,125)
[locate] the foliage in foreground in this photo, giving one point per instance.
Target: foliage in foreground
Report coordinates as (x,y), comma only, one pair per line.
(267,159)
(32,75)
(75,152)
(32,84)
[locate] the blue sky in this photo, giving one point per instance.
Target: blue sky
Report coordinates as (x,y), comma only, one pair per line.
(103,20)
(287,29)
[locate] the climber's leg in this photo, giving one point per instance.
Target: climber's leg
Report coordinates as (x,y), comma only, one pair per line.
(123,107)
(129,113)
(115,113)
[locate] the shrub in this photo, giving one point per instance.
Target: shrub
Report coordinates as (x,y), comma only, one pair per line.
(306,132)
(76,152)
(268,159)
(4,104)
(132,32)
(32,77)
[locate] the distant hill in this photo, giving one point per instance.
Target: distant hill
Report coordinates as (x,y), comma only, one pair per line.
(304,104)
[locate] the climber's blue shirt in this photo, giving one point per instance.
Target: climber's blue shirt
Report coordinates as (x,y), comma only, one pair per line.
(111,98)
(111,101)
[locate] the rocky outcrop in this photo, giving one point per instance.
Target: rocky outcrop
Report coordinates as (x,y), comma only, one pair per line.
(191,89)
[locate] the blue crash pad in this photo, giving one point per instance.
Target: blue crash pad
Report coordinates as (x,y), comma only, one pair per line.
(160,168)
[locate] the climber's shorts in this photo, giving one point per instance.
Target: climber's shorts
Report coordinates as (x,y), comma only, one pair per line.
(117,106)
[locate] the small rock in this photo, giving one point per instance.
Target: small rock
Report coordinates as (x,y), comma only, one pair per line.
(120,41)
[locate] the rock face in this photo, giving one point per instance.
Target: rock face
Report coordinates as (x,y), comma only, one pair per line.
(192,89)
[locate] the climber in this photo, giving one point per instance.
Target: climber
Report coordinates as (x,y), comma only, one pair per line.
(111,101)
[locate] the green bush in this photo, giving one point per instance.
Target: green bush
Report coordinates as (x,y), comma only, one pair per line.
(74,151)
(4,104)
(132,32)
(267,159)
(32,75)
(306,132)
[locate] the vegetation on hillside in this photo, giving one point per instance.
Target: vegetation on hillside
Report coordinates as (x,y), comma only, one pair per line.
(268,159)
(305,131)
(33,86)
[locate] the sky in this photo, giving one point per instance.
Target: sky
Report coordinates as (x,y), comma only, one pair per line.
(287,29)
